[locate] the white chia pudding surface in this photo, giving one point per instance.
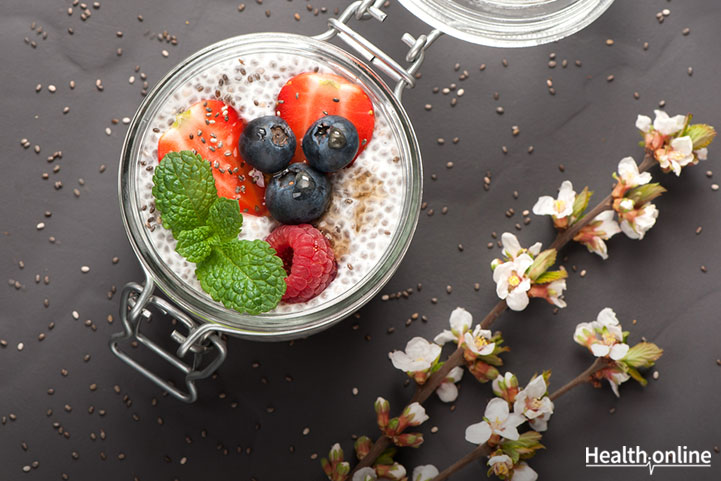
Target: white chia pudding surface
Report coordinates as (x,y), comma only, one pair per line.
(365,209)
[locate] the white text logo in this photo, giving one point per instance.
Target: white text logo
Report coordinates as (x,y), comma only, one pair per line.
(635,457)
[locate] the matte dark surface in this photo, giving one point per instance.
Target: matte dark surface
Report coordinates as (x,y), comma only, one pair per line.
(588,126)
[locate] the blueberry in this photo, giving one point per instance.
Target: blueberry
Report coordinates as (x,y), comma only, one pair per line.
(267,143)
(298,194)
(331,143)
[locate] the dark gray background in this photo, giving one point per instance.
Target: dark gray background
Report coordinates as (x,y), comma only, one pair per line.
(588,126)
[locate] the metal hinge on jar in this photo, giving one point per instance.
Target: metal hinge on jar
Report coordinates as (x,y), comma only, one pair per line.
(208,350)
(366,9)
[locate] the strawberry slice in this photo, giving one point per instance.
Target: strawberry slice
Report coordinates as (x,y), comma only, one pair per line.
(212,129)
(309,96)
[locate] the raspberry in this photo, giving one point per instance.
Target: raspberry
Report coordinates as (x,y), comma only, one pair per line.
(307,258)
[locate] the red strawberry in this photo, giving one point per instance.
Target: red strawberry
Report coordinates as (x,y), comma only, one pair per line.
(309,96)
(212,129)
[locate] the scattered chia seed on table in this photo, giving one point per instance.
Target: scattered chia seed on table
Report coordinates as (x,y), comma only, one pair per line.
(242,395)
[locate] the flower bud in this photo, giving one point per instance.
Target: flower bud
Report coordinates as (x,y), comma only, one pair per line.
(392,472)
(363,446)
(365,474)
(409,440)
(342,470)
(414,415)
(327,469)
(482,371)
(382,408)
(336,454)
(501,465)
(335,468)
(420,377)
(393,426)
(506,387)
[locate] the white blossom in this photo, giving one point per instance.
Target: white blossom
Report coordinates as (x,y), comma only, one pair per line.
(607,318)
(512,283)
(501,465)
(626,205)
(603,337)
(678,154)
(512,248)
(365,474)
(600,229)
(415,414)
(540,424)
(701,154)
(419,356)
(560,207)
(668,125)
(608,226)
(397,471)
(585,331)
(448,391)
(640,222)
(497,420)
(615,351)
(424,473)
(509,381)
(643,123)
(460,322)
(479,341)
(533,403)
(615,379)
(630,176)
(555,292)
(523,472)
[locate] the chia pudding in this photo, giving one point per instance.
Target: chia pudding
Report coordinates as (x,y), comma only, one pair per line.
(365,208)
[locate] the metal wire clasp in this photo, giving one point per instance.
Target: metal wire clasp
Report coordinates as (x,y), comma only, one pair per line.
(208,350)
(366,9)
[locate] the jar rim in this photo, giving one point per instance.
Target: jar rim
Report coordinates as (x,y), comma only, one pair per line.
(508,23)
(274,326)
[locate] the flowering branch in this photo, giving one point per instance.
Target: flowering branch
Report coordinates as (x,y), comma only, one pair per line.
(564,237)
(586,376)
(479,452)
(456,359)
(520,275)
(484,450)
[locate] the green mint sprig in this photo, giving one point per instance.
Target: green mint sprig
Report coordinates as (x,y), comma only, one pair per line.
(244,275)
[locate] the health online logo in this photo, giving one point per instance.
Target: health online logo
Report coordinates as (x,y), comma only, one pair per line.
(635,457)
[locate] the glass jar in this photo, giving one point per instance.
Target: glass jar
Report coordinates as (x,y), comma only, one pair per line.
(272,325)
(201,349)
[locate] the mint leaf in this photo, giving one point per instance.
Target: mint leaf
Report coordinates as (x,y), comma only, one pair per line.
(244,275)
(184,190)
(193,244)
(225,218)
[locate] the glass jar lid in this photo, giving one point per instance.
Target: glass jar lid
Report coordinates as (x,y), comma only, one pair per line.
(508,23)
